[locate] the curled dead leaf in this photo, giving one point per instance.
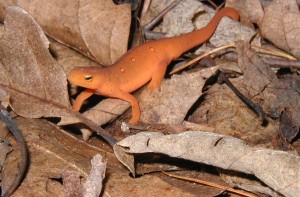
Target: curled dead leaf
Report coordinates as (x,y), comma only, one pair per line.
(278,169)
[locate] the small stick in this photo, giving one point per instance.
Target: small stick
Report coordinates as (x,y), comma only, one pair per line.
(155,20)
(12,126)
(258,110)
(213,4)
(157,35)
(211,184)
(281,63)
(200,57)
(273,52)
(256,48)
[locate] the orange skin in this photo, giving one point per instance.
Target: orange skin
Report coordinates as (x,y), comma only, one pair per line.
(147,62)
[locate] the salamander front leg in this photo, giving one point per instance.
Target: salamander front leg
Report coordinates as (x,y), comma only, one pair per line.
(136,112)
(81,98)
(157,77)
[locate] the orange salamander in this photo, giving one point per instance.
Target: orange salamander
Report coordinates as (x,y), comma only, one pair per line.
(144,63)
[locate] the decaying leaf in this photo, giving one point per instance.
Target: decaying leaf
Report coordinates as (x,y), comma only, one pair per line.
(224,113)
(93,184)
(181,19)
(289,128)
(49,158)
(4,150)
(280,95)
(107,110)
(34,80)
(257,74)
(87,26)
(71,182)
(281,25)
(67,58)
(246,182)
(250,11)
(37,85)
(177,95)
(278,169)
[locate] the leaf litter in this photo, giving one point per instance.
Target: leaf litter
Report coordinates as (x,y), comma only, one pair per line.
(271,93)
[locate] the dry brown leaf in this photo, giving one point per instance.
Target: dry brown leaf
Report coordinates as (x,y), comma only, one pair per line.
(54,151)
(5,149)
(281,25)
(37,85)
(282,93)
(27,70)
(67,58)
(257,74)
(224,113)
(107,110)
(181,18)
(250,11)
(177,95)
(106,46)
(278,169)
(98,29)
(248,183)
(50,155)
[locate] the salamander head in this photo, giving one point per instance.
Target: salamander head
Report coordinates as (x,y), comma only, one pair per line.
(87,77)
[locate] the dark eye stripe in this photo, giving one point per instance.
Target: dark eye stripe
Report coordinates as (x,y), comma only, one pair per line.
(88,77)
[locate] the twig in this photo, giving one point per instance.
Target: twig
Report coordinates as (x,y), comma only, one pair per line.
(200,57)
(12,126)
(155,20)
(258,110)
(282,63)
(273,52)
(211,184)
(256,48)
(157,35)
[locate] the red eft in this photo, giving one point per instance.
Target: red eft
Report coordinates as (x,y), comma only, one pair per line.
(144,63)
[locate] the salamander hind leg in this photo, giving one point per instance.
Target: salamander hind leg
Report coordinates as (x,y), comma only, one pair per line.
(136,112)
(157,77)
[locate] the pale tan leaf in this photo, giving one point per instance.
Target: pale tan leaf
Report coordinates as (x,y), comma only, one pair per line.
(98,29)
(278,169)
(250,11)
(281,25)
(107,110)
(104,28)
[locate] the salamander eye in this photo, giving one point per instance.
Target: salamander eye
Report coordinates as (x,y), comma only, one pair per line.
(88,77)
